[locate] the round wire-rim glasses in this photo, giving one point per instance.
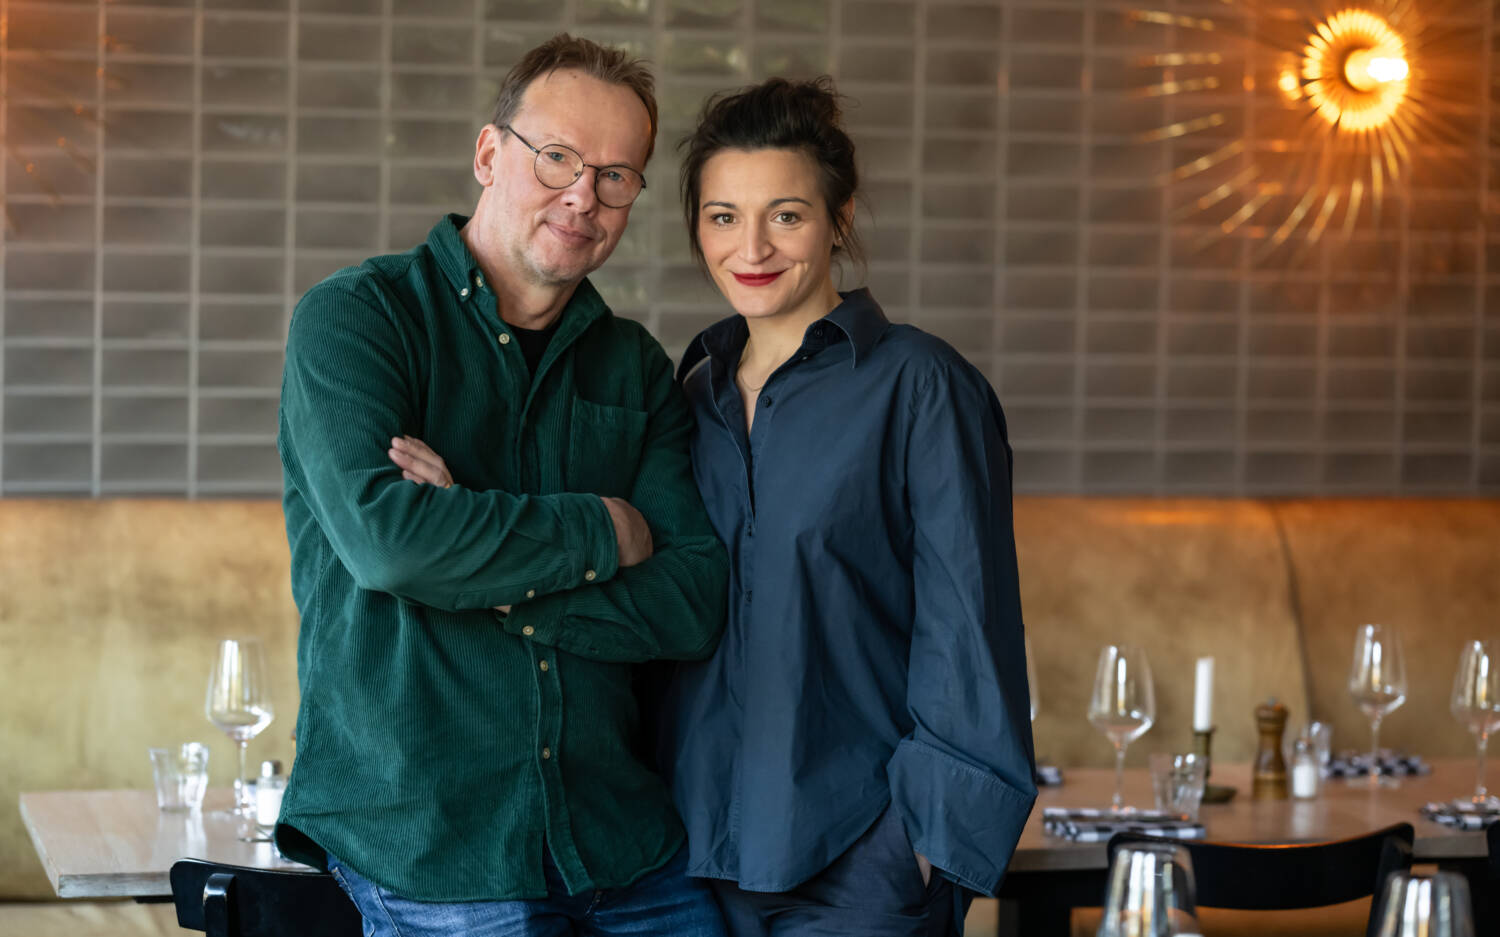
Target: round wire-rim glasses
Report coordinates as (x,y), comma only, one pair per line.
(558,167)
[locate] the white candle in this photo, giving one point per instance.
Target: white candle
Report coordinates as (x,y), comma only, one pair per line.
(1203,696)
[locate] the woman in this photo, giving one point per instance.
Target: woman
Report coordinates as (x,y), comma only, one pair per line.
(857,753)
(856,756)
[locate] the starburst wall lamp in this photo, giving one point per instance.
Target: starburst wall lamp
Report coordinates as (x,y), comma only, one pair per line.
(1365,90)
(1355,71)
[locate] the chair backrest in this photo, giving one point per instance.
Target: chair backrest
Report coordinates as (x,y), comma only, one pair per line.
(1258,877)
(1492,837)
(231,901)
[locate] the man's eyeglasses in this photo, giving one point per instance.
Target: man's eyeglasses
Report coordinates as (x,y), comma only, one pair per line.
(558,167)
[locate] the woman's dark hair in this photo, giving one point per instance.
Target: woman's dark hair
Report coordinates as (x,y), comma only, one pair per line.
(777,115)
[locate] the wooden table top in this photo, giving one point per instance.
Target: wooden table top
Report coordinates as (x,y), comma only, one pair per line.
(1340,810)
(118,844)
(109,844)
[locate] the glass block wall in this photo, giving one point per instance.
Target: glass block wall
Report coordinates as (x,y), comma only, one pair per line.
(177,173)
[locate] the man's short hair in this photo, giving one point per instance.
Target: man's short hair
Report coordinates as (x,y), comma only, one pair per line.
(614,66)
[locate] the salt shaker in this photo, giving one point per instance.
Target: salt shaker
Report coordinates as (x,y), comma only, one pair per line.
(268,790)
(1305,769)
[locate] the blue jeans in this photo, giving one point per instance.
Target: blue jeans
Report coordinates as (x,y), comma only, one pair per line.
(664,902)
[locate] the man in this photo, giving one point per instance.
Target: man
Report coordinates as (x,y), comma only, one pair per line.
(465,742)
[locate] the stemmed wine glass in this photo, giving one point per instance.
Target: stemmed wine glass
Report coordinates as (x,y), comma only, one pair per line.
(1377,681)
(239,704)
(1476,704)
(1123,704)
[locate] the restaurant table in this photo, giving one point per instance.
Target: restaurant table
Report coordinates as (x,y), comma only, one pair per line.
(117,844)
(1049,875)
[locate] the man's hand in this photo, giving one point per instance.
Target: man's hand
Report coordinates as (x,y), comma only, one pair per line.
(418,463)
(632,536)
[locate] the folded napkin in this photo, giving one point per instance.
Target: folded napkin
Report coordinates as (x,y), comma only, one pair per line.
(1094,825)
(1459,817)
(1048,776)
(1392,764)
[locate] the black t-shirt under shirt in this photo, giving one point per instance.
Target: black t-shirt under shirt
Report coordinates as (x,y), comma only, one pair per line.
(534,343)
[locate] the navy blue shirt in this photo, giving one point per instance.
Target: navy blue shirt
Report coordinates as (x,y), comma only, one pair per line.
(874,654)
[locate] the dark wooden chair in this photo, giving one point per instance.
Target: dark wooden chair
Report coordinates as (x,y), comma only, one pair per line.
(1492,837)
(231,901)
(1484,887)
(1253,877)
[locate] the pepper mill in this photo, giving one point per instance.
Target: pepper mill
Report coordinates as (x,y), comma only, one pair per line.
(1269,781)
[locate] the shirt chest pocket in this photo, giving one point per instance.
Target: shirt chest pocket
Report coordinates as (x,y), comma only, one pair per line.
(604,448)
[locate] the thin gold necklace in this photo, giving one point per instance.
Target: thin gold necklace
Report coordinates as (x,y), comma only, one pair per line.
(746,384)
(740,380)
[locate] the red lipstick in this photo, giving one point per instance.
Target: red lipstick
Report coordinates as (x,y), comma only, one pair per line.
(757,279)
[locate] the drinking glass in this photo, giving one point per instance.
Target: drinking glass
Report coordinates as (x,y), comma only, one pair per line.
(1177,783)
(1426,904)
(239,704)
(1150,893)
(1123,704)
(181,775)
(1476,704)
(1377,681)
(1036,700)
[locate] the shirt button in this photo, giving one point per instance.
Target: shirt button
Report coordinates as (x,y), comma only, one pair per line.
(546,753)
(544,666)
(531,593)
(766,401)
(479,281)
(528,631)
(464,293)
(589,575)
(504,338)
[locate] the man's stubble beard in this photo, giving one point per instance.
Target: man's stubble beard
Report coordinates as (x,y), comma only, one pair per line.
(538,275)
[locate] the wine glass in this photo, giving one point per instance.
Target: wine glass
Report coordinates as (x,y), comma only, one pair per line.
(1476,704)
(1377,681)
(1123,704)
(1150,893)
(239,704)
(1036,700)
(1425,904)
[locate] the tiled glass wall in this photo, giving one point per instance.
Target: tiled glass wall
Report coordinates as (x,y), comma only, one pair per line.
(177,173)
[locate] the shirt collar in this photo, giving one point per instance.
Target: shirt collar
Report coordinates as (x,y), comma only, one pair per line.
(453,256)
(859,317)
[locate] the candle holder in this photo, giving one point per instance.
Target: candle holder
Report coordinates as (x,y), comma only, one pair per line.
(1203,746)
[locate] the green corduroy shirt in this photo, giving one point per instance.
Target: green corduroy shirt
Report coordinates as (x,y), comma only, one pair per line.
(441,743)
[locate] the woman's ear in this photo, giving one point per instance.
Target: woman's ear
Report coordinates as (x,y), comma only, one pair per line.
(846,222)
